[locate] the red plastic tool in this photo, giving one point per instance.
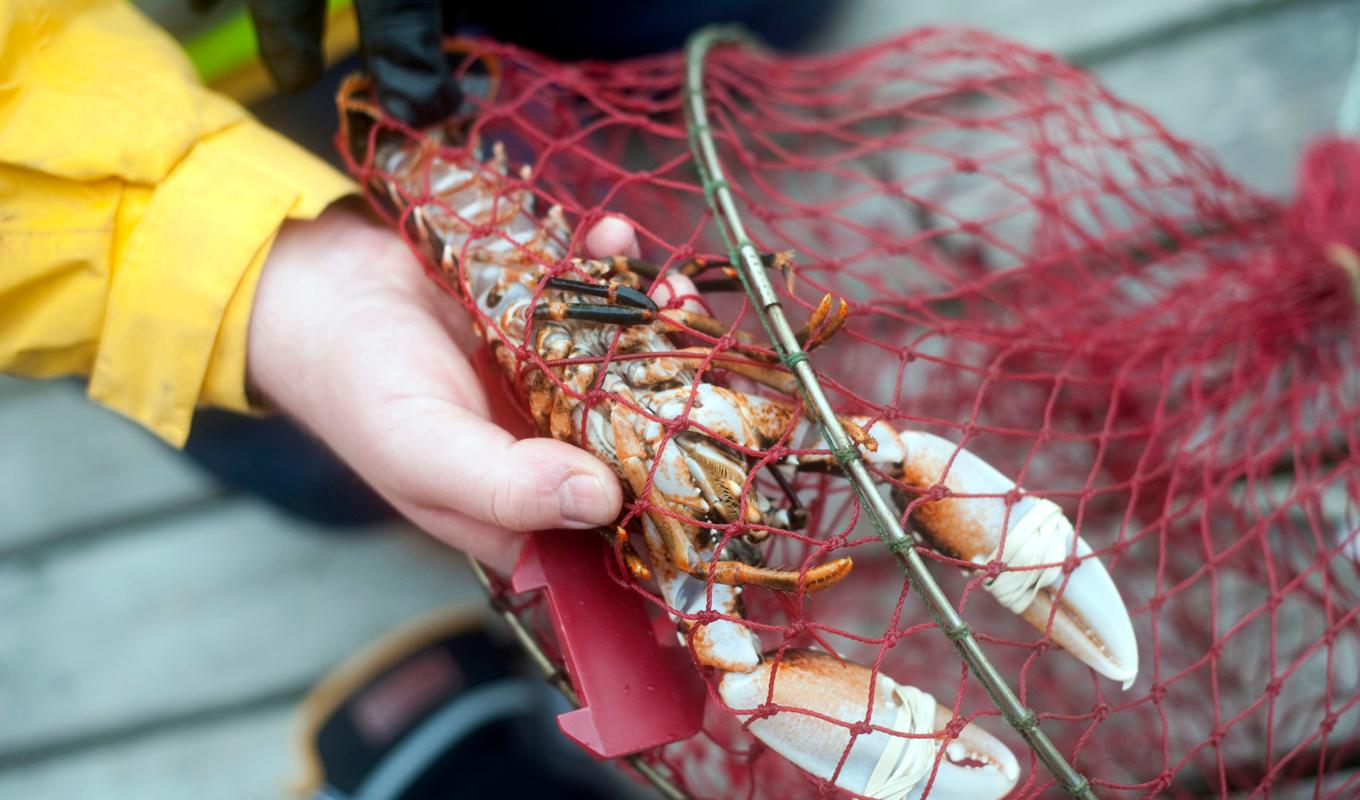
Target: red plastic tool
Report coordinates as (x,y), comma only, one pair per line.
(636,692)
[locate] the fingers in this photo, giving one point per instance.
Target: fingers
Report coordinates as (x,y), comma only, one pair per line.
(438,455)
(678,286)
(289,36)
(612,236)
(343,338)
(616,236)
(495,547)
(402,49)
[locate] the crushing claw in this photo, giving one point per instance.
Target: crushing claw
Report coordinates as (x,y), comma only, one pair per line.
(881,765)
(1030,538)
(1088,617)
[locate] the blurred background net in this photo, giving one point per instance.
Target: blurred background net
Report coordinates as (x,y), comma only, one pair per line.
(1043,274)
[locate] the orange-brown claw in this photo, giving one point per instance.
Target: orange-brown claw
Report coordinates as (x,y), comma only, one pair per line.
(859,436)
(824,323)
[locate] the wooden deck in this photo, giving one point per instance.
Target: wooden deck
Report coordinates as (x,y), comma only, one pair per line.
(158,629)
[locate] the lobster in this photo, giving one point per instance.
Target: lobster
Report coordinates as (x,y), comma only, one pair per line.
(567,330)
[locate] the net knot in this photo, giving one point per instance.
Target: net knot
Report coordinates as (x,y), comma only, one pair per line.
(899,545)
(1157,692)
(993,570)
(955,633)
(1025,722)
(1046,206)
(1216,737)
(954,727)
(1274,687)
(845,455)
(1100,712)
(764,711)
(937,493)
(1161,783)
(861,728)
(1070,564)
(1328,722)
(706,617)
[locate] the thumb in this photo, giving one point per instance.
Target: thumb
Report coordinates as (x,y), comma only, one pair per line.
(445,456)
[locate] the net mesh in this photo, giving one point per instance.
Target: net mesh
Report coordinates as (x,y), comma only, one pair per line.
(1039,272)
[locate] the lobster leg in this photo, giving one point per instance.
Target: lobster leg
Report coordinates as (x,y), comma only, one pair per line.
(678,538)
(681,318)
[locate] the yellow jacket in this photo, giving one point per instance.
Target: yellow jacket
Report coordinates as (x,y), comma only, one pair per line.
(136,209)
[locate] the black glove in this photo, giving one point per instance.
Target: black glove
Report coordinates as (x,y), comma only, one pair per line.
(400,41)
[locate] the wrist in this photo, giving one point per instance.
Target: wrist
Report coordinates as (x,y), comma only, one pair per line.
(313,270)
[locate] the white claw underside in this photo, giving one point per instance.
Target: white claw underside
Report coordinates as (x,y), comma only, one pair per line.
(724,644)
(976,765)
(1091,621)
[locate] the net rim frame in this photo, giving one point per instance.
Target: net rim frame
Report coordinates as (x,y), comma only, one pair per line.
(751,271)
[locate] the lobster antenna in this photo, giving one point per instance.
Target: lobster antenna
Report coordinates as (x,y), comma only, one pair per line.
(743,253)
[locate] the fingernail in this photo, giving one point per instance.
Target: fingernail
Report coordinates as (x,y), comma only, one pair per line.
(582,501)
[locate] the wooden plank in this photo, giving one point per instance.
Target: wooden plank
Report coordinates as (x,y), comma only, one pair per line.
(204,611)
(1255,92)
(243,757)
(1066,26)
(1253,89)
(68,463)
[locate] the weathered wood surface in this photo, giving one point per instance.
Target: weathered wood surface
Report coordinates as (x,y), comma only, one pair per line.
(157,631)
(1075,28)
(242,757)
(67,465)
(1252,80)
(145,625)
(1254,92)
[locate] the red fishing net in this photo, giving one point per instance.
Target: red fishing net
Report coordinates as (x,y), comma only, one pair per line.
(1035,271)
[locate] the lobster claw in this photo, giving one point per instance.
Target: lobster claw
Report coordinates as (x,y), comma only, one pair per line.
(1087,615)
(881,765)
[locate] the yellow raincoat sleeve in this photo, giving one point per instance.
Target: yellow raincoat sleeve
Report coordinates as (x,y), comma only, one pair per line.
(136,210)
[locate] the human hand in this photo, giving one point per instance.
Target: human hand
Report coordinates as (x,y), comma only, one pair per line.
(349,336)
(401,44)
